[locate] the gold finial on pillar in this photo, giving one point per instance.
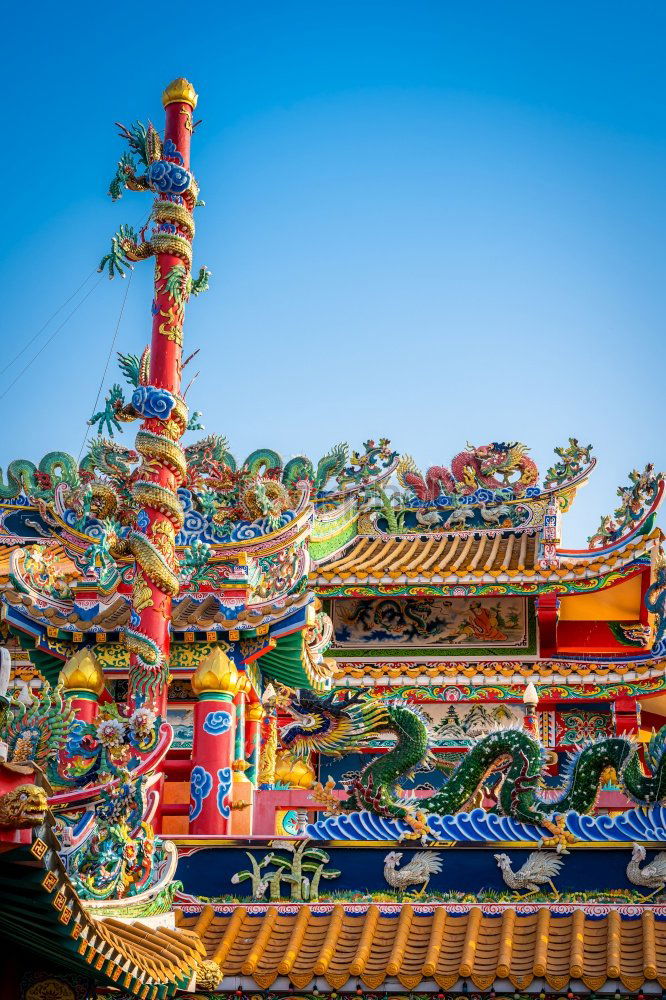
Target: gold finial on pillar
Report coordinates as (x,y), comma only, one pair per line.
(180,90)
(216,672)
(83,673)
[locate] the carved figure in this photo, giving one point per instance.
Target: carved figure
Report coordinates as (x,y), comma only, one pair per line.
(655,598)
(493,515)
(35,730)
(338,727)
(416,872)
(459,517)
(651,875)
(23,806)
(573,461)
(120,857)
(540,869)
(492,466)
(636,501)
(431,519)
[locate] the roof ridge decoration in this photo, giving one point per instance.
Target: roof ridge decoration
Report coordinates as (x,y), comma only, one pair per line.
(486,487)
(220,496)
(636,512)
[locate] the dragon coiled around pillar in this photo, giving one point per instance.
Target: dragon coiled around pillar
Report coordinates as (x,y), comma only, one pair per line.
(155,553)
(333,727)
(491,466)
(177,194)
(105,475)
(151,544)
(151,538)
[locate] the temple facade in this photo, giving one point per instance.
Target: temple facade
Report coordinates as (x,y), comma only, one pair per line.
(334,726)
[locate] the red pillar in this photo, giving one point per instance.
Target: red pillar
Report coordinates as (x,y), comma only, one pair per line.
(548,606)
(148,636)
(214,682)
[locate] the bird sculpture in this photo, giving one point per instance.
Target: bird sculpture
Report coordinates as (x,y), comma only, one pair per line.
(429,520)
(652,875)
(540,868)
(415,872)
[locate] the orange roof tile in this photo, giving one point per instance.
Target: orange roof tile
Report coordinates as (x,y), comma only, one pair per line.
(447,555)
(414,945)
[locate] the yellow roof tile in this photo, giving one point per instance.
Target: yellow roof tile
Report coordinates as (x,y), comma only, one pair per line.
(448,555)
(413,946)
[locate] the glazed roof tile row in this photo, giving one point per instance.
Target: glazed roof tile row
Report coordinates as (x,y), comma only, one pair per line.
(453,557)
(413,946)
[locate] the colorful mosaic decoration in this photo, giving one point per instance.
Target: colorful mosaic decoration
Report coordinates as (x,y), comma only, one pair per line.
(290,727)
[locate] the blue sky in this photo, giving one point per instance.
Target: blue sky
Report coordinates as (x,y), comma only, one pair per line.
(437,222)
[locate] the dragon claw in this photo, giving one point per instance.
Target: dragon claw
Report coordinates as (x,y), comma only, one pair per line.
(418,823)
(560,837)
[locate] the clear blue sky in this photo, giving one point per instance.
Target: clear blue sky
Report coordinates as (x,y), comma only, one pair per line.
(438,222)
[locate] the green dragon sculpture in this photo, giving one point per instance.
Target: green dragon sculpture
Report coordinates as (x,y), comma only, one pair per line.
(39,481)
(338,727)
(572,460)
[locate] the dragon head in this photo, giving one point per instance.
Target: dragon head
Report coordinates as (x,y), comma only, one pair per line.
(23,806)
(110,458)
(500,456)
(319,724)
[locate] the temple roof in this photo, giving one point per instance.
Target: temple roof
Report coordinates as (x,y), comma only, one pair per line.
(418,945)
(40,910)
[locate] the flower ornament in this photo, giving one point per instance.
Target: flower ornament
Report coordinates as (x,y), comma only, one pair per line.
(142,722)
(111,733)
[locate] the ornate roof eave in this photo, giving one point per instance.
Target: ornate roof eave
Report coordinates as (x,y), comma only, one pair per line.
(546,673)
(565,494)
(571,577)
(115,616)
(44,913)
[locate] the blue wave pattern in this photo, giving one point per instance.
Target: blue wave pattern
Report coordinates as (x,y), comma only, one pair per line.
(223,789)
(479,826)
(198,526)
(482,495)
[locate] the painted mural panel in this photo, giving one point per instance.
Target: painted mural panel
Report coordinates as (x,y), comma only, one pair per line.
(454,623)
(181,718)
